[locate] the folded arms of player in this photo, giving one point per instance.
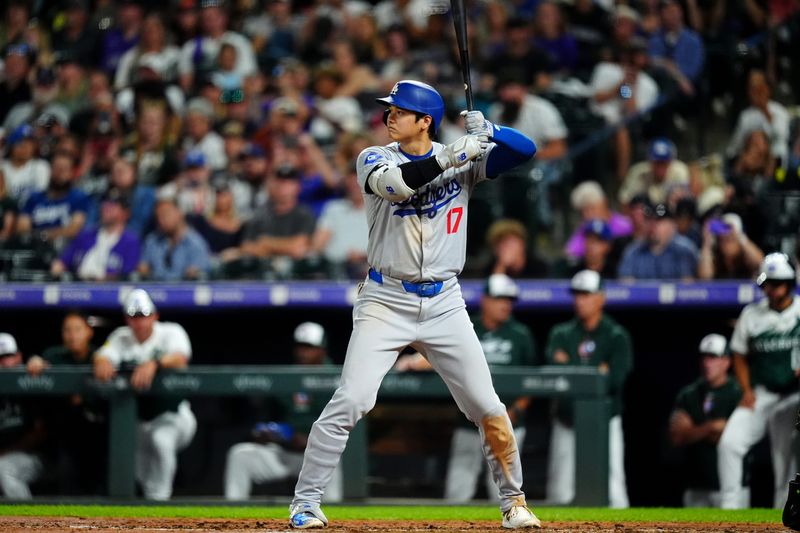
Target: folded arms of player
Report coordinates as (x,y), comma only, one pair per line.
(398,183)
(512,147)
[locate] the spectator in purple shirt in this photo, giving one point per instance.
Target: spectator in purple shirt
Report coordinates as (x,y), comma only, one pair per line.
(107,252)
(123,37)
(553,39)
(590,201)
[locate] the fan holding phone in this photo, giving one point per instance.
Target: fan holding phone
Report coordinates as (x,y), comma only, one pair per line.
(727,253)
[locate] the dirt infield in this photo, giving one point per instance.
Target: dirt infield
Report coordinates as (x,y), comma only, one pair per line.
(93,525)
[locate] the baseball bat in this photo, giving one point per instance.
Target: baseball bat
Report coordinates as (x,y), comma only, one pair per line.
(460,23)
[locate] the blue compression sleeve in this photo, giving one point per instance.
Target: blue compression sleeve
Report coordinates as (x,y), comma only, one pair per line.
(513,148)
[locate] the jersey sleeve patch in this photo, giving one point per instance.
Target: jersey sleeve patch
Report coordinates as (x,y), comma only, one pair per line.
(373,157)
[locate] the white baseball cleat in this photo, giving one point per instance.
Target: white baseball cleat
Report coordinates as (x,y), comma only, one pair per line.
(305,516)
(519,517)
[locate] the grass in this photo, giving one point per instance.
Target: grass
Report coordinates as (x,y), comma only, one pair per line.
(484,512)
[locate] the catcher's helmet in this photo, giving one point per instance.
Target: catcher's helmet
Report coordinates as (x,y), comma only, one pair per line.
(416,96)
(776,266)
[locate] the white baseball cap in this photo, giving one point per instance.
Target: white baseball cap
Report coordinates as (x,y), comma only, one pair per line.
(310,333)
(714,344)
(586,281)
(775,266)
(139,303)
(8,345)
(501,286)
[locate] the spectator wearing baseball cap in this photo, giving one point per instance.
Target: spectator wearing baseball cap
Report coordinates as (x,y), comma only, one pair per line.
(698,419)
(15,89)
(663,254)
(107,252)
(255,170)
(598,256)
(727,252)
(654,176)
(591,339)
(282,228)
(24,173)
(590,201)
(192,188)
(199,134)
(22,432)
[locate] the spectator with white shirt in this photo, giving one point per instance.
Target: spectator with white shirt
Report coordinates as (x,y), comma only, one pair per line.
(146,346)
(341,233)
(153,43)
(200,135)
(539,120)
(763,114)
(106,252)
(654,177)
(619,90)
(24,173)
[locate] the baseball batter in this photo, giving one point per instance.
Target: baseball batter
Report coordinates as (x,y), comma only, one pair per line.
(766,359)
(166,423)
(416,194)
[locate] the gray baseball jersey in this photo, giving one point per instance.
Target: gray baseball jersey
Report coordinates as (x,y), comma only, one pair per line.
(432,223)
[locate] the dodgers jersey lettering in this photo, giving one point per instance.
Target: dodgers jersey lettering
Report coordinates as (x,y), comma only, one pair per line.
(423,238)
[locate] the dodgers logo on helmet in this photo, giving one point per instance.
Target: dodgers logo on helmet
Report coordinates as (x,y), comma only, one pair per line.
(418,97)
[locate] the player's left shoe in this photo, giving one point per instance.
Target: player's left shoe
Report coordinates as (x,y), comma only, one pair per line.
(519,517)
(306,516)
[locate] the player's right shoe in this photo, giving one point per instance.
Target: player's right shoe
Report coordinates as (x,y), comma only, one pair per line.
(306,516)
(519,517)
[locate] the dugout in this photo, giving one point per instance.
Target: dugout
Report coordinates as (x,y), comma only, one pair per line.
(409,440)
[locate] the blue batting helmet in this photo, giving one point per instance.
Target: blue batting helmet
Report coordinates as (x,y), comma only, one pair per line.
(416,96)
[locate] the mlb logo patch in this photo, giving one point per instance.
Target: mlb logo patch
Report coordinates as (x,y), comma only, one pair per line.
(395,88)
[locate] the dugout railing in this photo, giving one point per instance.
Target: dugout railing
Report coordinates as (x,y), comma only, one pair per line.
(585,386)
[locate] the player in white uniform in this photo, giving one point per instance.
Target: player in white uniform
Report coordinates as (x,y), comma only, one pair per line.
(166,424)
(766,360)
(416,194)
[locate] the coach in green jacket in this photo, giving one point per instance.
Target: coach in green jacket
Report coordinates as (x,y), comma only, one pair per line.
(590,339)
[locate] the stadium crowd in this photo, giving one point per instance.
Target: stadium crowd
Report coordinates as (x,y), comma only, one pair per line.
(216,139)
